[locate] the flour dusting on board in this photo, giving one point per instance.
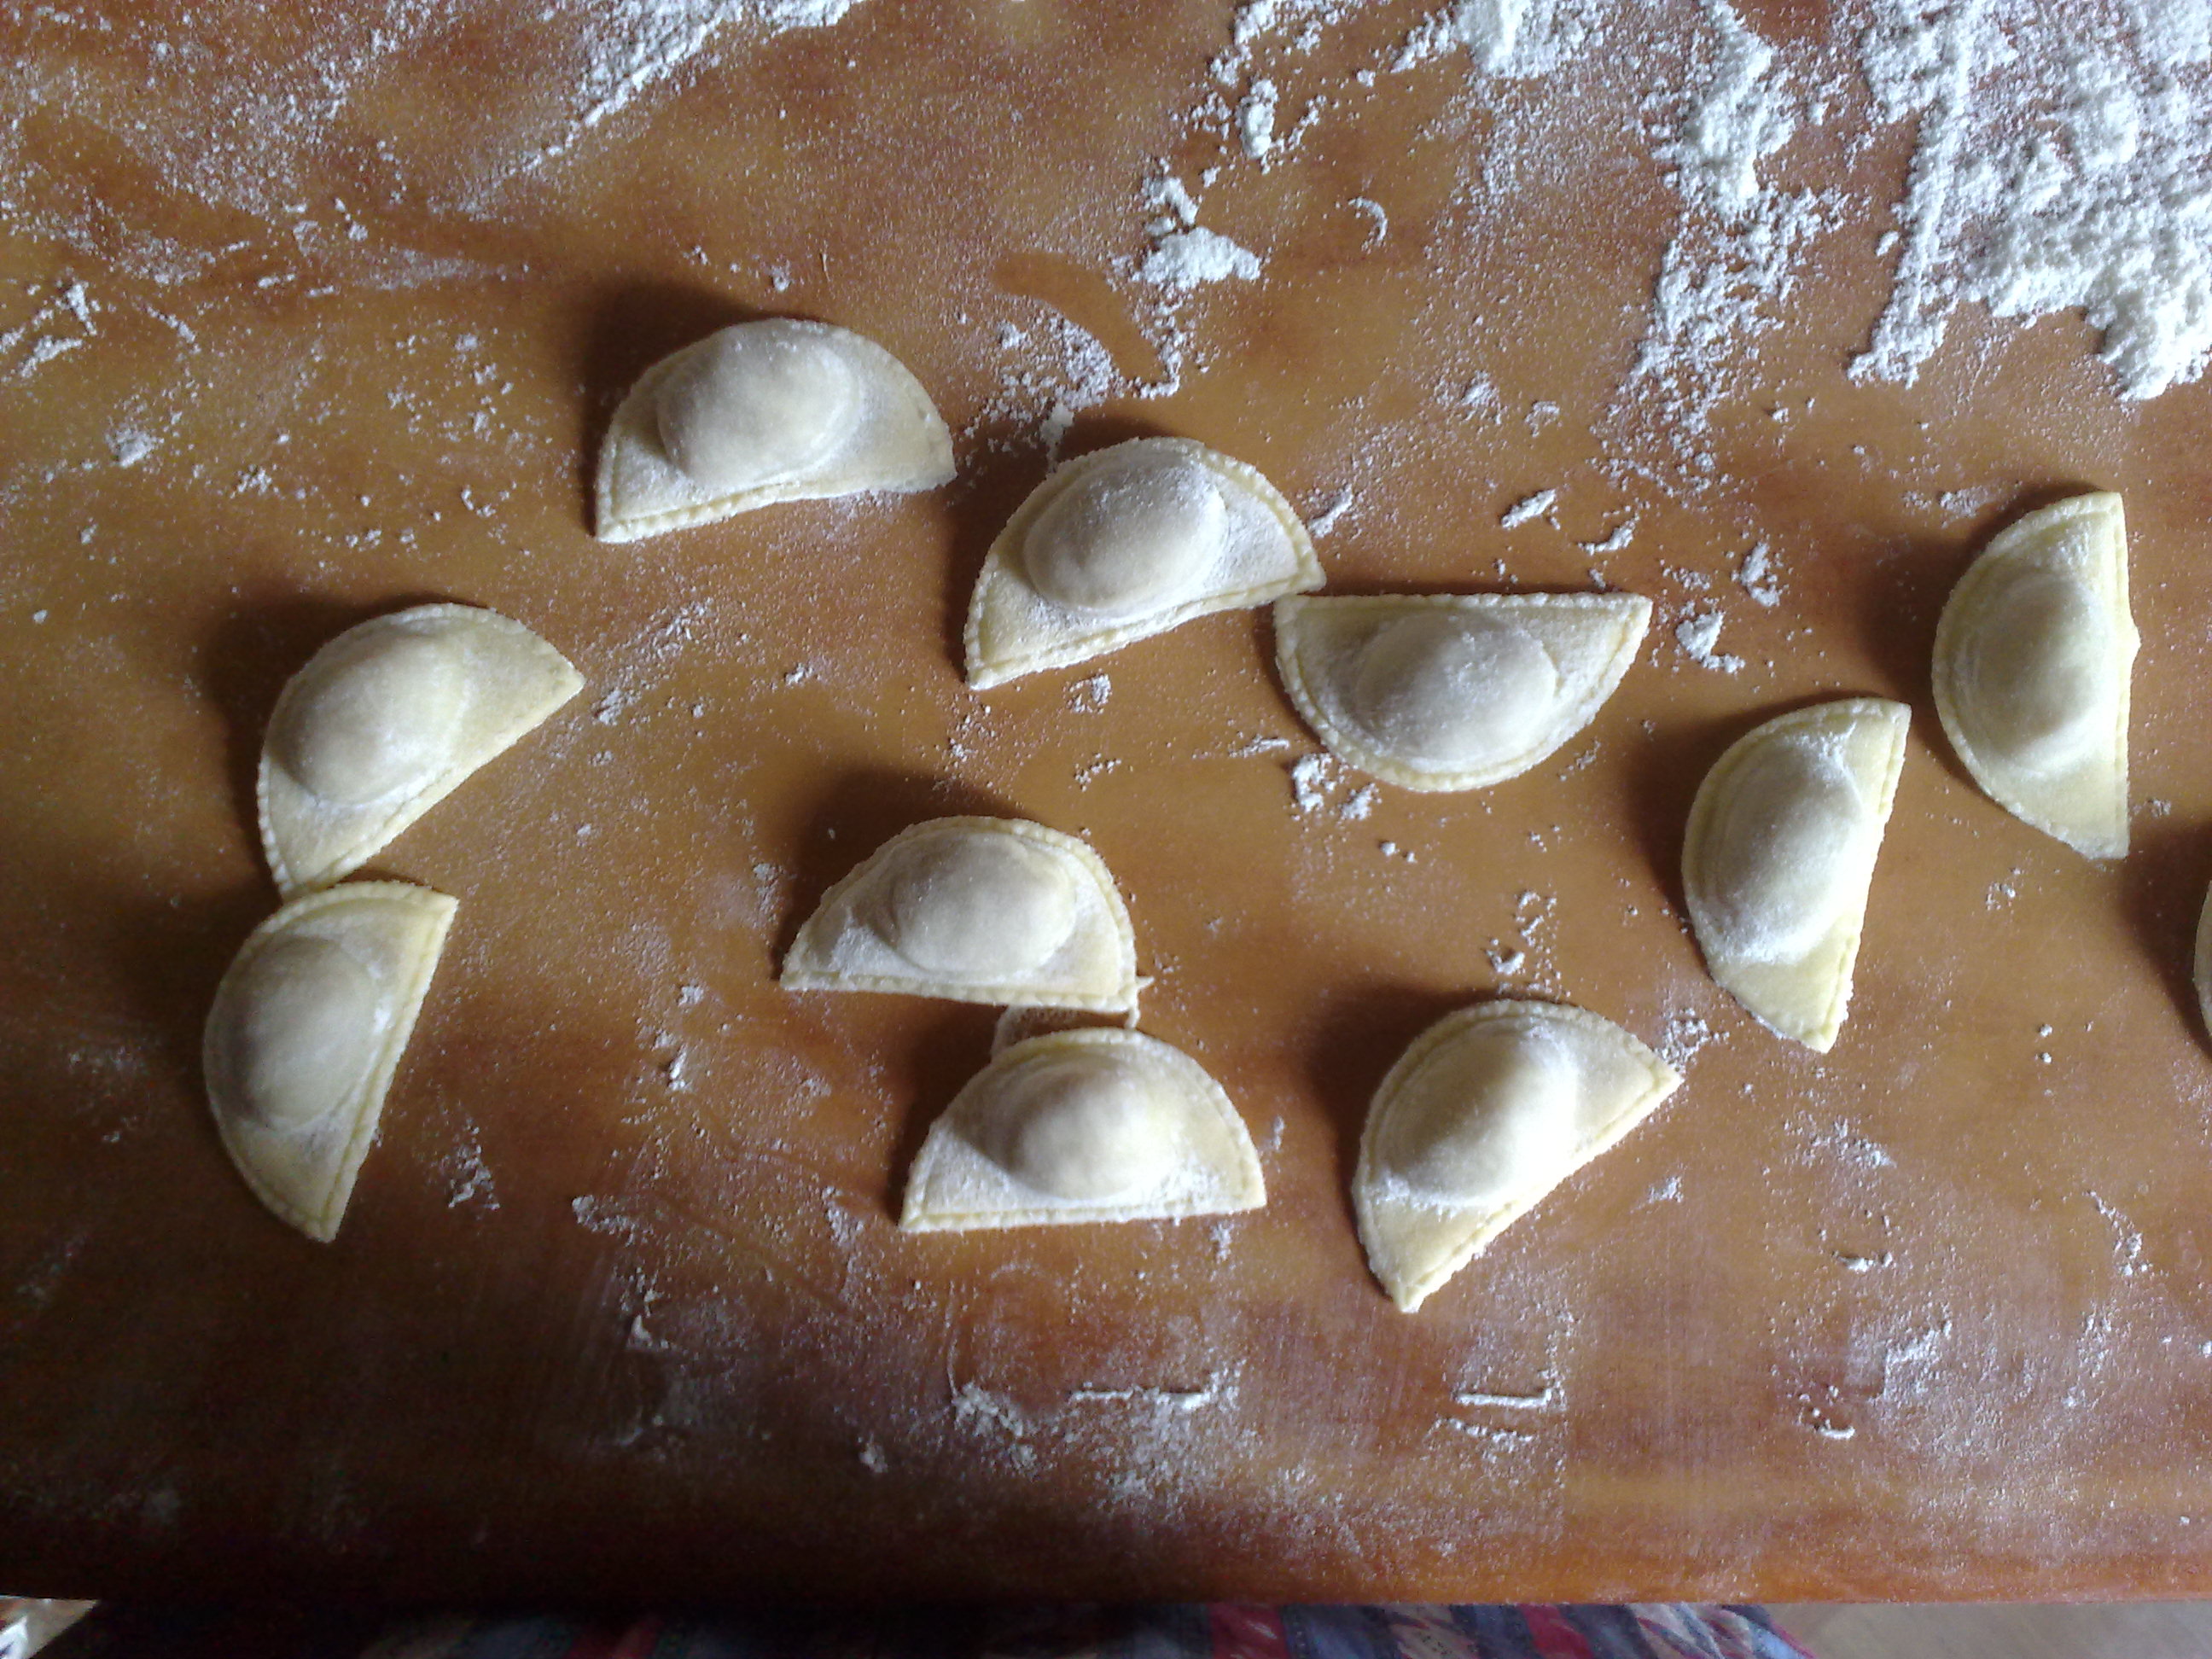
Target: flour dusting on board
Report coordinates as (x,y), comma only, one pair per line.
(2060,165)
(224,126)
(2005,1395)
(745,1276)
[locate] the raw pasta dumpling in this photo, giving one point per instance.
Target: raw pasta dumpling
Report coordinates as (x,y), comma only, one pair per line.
(385,722)
(307,1030)
(1095,1125)
(977,909)
(1779,857)
(2032,659)
(1125,543)
(761,412)
(1453,691)
(1488,1110)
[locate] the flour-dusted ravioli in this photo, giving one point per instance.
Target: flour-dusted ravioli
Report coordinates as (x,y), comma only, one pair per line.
(976,909)
(2033,658)
(1488,1110)
(1780,855)
(385,722)
(1096,1124)
(1453,691)
(307,1027)
(761,412)
(1127,543)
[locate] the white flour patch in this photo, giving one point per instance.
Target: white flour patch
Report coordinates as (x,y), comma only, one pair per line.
(131,445)
(1613,541)
(1757,576)
(209,122)
(1839,1141)
(1528,509)
(1699,636)
(1686,1035)
(1331,514)
(1088,697)
(1057,370)
(2060,165)
(1185,259)
(1311,776)
(1517,38)
(1255,119)
(467,1176)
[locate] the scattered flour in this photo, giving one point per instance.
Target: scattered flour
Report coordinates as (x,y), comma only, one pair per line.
(1517,38)
(1088,697)
(1255,119)
(1757,576)
(468,1177)
(221,125)
(1699,635)
(1528,509)
(1330,515)
(131,445)
(1613,541)
(1185,259)
(2062,164)
(1686,1035)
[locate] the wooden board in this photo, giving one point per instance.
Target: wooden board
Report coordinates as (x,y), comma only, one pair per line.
(619,1311)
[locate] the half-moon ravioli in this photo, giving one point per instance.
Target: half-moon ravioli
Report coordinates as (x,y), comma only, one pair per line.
(385,722)
(773,410)
(1779,857)
(1485,1112)
(1453,691)
(1126,542)
(994,910)
(1097,1125)
(2032,658)
(307,1030)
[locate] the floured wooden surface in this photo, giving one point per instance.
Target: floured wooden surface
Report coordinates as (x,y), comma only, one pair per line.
(619,1308)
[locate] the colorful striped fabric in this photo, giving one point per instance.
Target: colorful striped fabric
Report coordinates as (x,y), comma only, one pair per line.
(1669,1630)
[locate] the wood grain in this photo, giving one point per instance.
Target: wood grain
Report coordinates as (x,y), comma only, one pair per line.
(1923,1317)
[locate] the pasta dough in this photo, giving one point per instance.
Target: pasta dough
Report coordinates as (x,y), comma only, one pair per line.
(385,722)
(2032,659)
(1485,1112)
(1094,1125)
(1453,691)
(761,412)
(1125,543)
(307,1030)
(1779,857)
(979,910)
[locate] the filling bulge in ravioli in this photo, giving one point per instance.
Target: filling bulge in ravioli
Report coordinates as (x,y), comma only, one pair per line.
(978,904)
(1129,538)
(1102,1124)
(2038,681)
(1471,1125)
(754,406)
(1454,688)
(1485,1112)
(382,715)
(306,1030)
(1083,1125)
(1792,838)
(306,1033)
